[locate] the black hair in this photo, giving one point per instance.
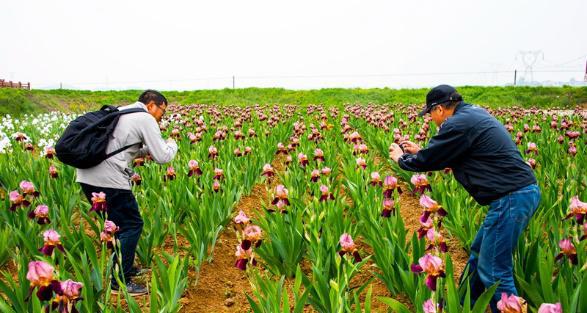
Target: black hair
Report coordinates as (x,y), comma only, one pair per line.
(152,95)
(455,98)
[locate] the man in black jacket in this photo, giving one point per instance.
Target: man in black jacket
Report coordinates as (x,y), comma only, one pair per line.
(486,161)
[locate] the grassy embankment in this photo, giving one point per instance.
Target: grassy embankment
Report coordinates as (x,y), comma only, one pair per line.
(16,102)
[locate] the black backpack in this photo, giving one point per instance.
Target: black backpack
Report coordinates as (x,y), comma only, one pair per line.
(84,141)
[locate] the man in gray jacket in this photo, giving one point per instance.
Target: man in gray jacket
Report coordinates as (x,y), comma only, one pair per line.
(113,176)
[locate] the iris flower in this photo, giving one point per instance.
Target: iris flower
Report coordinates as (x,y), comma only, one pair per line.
(348,247)
(433,266)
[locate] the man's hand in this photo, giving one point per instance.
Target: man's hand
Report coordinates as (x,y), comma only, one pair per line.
(395,152)
(410,147)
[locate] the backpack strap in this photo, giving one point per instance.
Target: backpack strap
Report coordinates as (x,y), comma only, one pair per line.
(120,150)
(122,112)
(133,110)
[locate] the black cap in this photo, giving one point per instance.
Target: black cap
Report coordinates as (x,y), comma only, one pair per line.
(438,95)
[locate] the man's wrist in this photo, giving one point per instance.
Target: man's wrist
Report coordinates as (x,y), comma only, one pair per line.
(396,157)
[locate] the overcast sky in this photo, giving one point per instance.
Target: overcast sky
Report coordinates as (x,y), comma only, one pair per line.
(294,44)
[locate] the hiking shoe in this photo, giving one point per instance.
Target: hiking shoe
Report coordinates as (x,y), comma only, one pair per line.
(133,289)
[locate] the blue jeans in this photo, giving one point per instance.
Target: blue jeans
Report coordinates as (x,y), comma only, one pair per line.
(492,250)
(123,210)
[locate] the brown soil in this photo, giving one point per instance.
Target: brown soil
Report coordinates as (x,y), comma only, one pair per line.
(411,210)
(221,286)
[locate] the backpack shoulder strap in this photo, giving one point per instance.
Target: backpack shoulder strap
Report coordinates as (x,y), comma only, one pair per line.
(121,112)
(113,109)
(120,150)
(133,110)
(108,108)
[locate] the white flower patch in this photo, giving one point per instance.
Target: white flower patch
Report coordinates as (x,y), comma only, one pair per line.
(5,145)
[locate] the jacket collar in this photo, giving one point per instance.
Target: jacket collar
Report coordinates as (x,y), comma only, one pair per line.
(140,105)
(460,105)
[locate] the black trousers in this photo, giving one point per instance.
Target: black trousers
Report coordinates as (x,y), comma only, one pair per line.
(123,210)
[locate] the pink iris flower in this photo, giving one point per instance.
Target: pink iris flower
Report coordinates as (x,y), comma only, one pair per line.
(430,207)
(348,247)
(17,200)
(577,209)
(303,159)
(52,240)
(281,194)
(511,304)
(376,179)
(212,152)
(252,236)
(216,186)
(69,293)
(170,174)
(218,174)
(420,183)
(53,171)
(319,155)
(388,207)
(243,257)
(41,214)
(99,202)
(567,249)
(40,274)
(194,168)
(389,185)
(268,170)
(241,219)
(361,163)
(325,194)
(107,235)
(433,266)
(550,308)
(315,176)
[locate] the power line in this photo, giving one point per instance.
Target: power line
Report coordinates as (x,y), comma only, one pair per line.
(231,80)
(563,64)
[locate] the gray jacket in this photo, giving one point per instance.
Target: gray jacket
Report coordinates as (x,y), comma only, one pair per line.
(140,128)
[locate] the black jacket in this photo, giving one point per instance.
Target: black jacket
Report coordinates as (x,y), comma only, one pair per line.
(480,151)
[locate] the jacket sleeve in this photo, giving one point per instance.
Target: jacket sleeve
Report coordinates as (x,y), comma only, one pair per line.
(160,150)
(445,147)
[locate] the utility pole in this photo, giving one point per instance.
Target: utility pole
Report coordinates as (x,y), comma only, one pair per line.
(516,76)
(232,81)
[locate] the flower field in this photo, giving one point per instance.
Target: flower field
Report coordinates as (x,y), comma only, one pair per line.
(281,208)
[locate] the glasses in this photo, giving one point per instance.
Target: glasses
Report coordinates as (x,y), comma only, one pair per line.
(162,109)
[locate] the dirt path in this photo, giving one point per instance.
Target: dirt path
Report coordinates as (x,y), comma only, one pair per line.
(222,287)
